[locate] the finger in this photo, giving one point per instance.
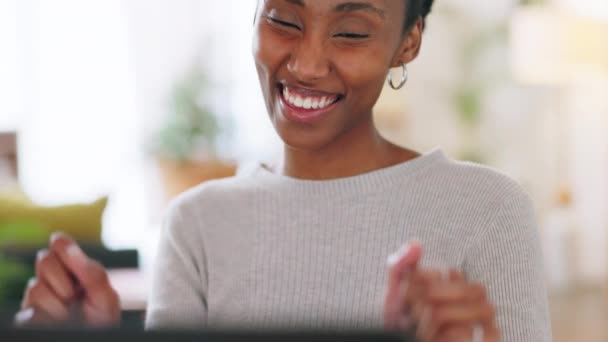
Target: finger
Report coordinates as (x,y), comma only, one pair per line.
(97,318)
(40,297)
(400,263)
(456,276)
(90,275)
(97,289)
(458,333)
(443,293)
(30,317)
(403,261)
(408,293)
(418,300)
(414,302)
(52,272)
(468,315)
(458,304)
(87,272)
(455,333)
(416,297)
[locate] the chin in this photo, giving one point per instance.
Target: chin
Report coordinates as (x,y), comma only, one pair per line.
(303,138)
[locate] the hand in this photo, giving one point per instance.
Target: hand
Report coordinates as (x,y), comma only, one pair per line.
(68,288)
(439,307)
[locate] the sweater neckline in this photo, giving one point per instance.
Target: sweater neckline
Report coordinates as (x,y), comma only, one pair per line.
(359,183)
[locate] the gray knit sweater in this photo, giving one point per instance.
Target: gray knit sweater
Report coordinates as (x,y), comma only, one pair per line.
(267,251)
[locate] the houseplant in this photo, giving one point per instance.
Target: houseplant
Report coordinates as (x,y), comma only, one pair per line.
(186,144)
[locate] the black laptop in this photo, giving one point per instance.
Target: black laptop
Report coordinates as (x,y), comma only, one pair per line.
(190,336)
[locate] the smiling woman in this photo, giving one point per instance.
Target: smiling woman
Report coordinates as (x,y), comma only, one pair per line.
(338,53)
(305,244)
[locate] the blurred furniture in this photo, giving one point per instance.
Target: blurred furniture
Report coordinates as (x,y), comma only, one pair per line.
(133,287)
(122,259)
(18,214)
(179,176)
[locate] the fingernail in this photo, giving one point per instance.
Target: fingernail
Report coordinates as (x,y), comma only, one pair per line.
(74,251)
(478,333)
(55,236)
(24,316)
(394,258)
(42,253)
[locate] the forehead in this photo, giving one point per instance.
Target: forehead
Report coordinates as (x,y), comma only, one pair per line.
(383,7)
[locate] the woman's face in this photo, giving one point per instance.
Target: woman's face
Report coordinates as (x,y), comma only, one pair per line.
(323,64)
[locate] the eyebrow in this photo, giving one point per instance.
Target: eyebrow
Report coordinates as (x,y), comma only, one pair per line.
(359,6)
(348,7)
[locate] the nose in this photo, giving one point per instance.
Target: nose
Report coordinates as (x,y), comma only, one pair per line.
(309,62)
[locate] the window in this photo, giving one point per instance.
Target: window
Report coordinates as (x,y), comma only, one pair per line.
(87,82)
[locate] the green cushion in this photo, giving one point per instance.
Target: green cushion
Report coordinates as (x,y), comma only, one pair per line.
(23,222)
(23,233)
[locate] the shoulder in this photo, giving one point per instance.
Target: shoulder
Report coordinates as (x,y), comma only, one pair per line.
(189,216)
(215,195)
(474,182)
(502,205)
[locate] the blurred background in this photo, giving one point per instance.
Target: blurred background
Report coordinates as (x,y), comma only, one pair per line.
(109,108)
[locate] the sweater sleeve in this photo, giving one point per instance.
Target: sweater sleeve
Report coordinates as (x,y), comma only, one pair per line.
(507,259)
(178,296)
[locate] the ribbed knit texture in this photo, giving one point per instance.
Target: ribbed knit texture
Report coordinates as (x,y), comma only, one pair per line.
(267,251)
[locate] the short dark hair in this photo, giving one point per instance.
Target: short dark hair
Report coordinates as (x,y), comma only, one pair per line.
(415,9)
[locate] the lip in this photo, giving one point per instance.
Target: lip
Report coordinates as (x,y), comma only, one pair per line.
(306,116)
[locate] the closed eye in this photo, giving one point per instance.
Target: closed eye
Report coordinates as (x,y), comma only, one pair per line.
(352,35)
(284,23)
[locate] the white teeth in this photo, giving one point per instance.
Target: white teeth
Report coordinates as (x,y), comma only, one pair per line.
(307,102)
(298,102)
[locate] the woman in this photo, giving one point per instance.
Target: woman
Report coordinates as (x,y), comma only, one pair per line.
(304,244)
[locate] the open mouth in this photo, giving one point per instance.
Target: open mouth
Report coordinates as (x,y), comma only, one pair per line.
(307,100)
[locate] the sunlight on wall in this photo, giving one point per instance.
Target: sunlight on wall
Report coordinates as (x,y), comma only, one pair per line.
(592,8)
(80,140)
(9,81)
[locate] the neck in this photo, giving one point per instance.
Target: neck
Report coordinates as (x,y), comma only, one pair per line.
(360,150)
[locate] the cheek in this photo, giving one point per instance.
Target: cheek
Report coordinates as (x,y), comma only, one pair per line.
(268,51)
(364,73)
(265,62)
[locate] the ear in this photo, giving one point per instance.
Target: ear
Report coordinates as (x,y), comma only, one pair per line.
(410,45)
